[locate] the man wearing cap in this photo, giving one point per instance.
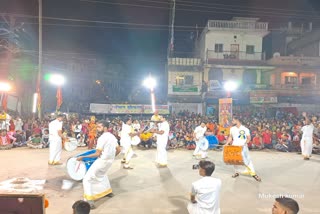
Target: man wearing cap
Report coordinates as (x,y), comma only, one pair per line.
(55,138)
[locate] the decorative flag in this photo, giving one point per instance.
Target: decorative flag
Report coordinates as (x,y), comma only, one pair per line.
(39,100)
(5,102)
(59,98)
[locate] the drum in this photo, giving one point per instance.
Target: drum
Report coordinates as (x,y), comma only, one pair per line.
(203,144)
(232,155)
(213,141)
(70,145)
(135,140)
(78,169)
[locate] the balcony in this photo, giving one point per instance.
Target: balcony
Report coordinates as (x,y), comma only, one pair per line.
(291,90)
(235,58)
(295,61)
(237,25)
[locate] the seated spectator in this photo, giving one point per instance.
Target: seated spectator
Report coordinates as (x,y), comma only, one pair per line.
(221,138)
(205,193)
(267,139)
(283,144)
(34,142)
(188,139)
(5,140)
(296,142)
(146,139)
(81,207)
(285,206)
(20,139)
(45,138)
(256,142)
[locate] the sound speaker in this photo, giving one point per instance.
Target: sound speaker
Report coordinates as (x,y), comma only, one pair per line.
(22,203)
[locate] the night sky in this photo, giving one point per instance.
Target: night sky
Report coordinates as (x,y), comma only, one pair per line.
(138,48)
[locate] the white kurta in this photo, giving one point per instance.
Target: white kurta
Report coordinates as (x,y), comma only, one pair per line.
(125,142)
(162,140)
(202,145)
(239,136)
(307,140)
(96,183)
(207,192)
(55,146)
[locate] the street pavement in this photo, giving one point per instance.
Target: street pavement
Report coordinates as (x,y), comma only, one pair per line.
(147,189)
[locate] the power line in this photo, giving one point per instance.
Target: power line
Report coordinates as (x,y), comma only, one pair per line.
(219,10)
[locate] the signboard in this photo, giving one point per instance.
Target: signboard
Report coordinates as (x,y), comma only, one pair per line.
(214,85)
(126,109)
(184,88)
(256,98)
(225,114)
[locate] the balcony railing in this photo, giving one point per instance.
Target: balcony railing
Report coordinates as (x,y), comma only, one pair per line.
(295,60)
(231,55)
(245,25)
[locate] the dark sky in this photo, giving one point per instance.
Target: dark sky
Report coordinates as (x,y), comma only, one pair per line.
(143,49)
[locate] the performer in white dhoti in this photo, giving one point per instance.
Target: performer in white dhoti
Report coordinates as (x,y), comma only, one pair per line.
(162,140)
(240,136)
(96,183)
(127,133)
(55,140)
(202,143)
(307,137)
(205,193)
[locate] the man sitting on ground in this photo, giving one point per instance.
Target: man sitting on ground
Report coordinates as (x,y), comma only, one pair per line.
(5,140)
(205,193)
(81,207)
(285,206)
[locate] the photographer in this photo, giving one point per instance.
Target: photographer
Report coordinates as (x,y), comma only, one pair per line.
(205,193)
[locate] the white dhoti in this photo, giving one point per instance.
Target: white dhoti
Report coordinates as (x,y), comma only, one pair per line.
(127,153)
(248,168)
(96,183)
(55,149)
(202,146)
(306,146)
(193,208)
(161,157)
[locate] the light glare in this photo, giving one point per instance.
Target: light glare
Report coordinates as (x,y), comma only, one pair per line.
(5,87)
(230,86)
(57,79)
(150,83)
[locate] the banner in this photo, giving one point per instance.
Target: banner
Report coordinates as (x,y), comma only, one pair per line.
(126,109)
(256,98)
(189,88)
(225,114)
(214,85)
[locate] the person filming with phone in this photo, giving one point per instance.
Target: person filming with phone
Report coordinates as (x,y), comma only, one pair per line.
(205,193)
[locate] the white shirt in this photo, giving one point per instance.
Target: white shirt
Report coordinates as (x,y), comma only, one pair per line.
(307,131)
(18,125)
(125,137)
(164,126)
(207,191)
(77,128)
(108,143)
(239,135)
(199,131)
(54,127)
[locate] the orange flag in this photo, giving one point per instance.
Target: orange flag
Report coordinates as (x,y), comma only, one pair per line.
(5,102)
(59,98)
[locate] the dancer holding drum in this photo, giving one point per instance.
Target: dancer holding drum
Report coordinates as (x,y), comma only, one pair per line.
(240,136)
(96,183)
(128,137)
(55,138)
(202,143)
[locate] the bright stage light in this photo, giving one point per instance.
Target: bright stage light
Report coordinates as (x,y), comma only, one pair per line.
(56,79)
(150,83)
(5,87)
(230,86)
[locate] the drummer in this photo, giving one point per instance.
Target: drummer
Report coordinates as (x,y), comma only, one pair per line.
(202,144)
(240,136)
(96,183)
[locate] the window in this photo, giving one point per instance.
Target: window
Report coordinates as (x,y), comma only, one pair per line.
(184,80)
(306,81)
(291,80)
(250,49)
(218,48)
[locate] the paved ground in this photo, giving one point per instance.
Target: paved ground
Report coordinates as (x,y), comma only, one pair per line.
(147,190)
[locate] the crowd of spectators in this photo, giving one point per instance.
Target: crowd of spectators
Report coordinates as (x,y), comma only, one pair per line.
(278,130)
